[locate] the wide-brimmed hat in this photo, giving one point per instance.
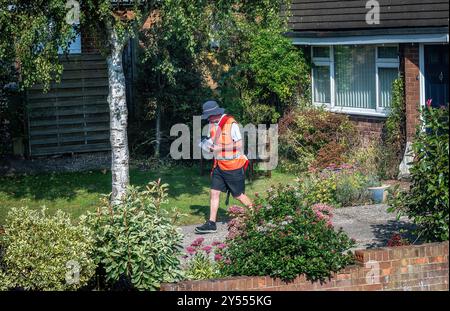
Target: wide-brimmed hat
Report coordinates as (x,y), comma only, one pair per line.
(211,108)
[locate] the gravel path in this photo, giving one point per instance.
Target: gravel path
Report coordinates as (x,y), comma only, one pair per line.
(370,225)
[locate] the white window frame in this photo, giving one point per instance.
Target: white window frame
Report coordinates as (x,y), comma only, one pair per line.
(379,63)
(325,62)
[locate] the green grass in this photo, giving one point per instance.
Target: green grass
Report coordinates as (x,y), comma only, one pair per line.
(76,193)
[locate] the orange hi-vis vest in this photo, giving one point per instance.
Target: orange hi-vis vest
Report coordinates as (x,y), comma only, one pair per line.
(226,159)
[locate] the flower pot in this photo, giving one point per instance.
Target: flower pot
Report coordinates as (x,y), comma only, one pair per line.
(379,194)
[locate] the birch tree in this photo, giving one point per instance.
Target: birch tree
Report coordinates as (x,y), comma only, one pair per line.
(32,32)
(115,22)
(112,24)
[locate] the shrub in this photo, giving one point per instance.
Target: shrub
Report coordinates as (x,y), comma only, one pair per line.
(41,251)
(339,186)
(282,237)
(394,134)
(4,281)
(269,75)
(366,157)
(203,261)
(315,138)
(137,241)
(427,202)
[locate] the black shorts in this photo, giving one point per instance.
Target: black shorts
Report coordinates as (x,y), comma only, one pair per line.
(233,180)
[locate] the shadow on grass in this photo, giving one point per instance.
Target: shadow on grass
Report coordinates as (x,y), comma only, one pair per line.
(53,186)
(383,232)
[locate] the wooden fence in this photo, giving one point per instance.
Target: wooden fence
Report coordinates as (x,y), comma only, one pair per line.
(73,116)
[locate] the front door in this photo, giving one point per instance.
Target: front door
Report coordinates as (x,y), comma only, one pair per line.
(436,74)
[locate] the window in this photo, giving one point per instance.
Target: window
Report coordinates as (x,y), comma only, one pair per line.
(354,78)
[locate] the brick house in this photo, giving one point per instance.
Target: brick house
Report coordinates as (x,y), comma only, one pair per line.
(354,63)
(356,54)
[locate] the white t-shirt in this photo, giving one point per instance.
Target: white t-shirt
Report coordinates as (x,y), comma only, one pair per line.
(235,132)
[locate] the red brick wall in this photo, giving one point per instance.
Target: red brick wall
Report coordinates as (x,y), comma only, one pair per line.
(88,45)
(370,128)
(420,267)
(412,87)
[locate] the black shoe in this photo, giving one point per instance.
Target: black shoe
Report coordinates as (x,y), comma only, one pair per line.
(207,227)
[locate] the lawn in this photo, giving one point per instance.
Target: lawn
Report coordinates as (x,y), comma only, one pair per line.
(77,193)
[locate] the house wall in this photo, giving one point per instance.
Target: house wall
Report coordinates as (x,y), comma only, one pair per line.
(412,87)
(372,127)
(369,128)
(88,43)
(418,267)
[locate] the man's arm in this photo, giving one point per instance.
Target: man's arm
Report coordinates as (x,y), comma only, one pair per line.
(237,140)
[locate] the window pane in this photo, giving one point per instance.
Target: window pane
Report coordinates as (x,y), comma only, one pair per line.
(321,76)
(387,52)
(386,77)
(321,51)
(355,76)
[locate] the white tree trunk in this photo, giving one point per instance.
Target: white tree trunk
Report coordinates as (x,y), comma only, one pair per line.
(118,119)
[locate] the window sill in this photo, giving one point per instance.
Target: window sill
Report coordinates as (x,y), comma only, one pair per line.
(356,111)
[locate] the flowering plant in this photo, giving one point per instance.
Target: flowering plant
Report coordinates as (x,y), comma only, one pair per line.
(283,237)
(427,201)
(397,240)
(204,261)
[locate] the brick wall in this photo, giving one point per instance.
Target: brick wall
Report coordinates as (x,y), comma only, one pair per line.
(370,128)
(420,267)
(412,87)
(88,45)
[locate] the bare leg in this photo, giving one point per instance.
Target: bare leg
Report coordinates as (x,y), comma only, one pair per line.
(244,200)
(214,204)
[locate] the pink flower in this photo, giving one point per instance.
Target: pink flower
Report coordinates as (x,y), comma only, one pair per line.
(190,250)
(218,257)
(227,261)
(221,246)
(235,210)
(346,166)
(331,166)
(429,102)
(215,243)
(198,242)
(323,212)
(207,249)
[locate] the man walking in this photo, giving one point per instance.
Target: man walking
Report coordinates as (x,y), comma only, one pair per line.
(228,173)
